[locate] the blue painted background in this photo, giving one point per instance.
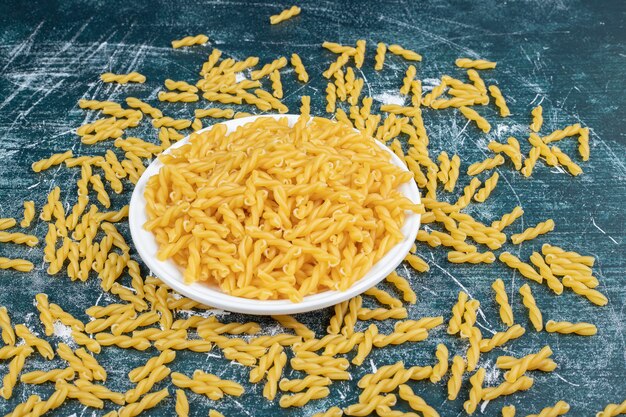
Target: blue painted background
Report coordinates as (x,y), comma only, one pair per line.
(568,56)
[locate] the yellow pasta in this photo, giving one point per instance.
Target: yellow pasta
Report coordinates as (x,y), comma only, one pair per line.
(456,377)
(408,79)
(126,342)
(613,410)
(146,384)
(42,346)
(489,163)
(565,327)
(269,68)
(25,407)
(508,411)
(499,100)
(8,335)
(148,401)
(339,49)
(285,15)
(474,63)
(15,367)
(519,367)
(524,383)
(174,97)
(537,114)
(475,394)
(455,322)
(596,297)
(453,174)
(299,68)
(53,160)
(565,161)
(190,41)
(500,338)
(365,347)
(473,352)
(182,404)
(506,312)
(479,84)
(169,122)
(526,270)
(291,323)
(381,51)
(39,377)
(544,269)
(365,409)
(44,313)
(532,232)
(144,107)
(91,364)
(508,218)
(583,143)
(558,409)
(471,257)
(180,86)
(21,265)
(533,311)
(560,134)
(7,223)
(440,369)
(384,297)
(404,53)
(132,77)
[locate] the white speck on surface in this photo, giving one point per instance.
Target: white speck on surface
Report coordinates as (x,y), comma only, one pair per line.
(239,77)
(389,98)
(63,332)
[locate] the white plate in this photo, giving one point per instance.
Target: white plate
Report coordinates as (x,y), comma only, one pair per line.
(172,275)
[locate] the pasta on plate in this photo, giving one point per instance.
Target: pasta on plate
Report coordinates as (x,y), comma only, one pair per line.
(270,211)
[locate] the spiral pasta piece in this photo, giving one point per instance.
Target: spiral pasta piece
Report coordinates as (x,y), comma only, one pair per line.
(508,218)
(91,364)
(7,223)
(337,319)
(473,352)
(583,143)
(44,313)
(453,174)
(490,183)
(526,270)
(471,257)
(381,51)
(144,107)
(147,401)
(190,41)
(508,411)
(532,232)
(331,97)
(299,68)
(142,372)
(19,238)
(596,297)
(454,325)
(175,97)
(441,367)
(489,163)
(506,312)
(404,53)
(132,77)
(298,385)
(382,313)
(126,342)
(384,297)
(499,100)
(25,407)
(365,347)
(613,410)
(537,114)
(533,311)
(416,402)
(15,367)
(146,384)
(8,335)
(354,305)
(500,338)
(39,377)
(474,63)
(285,15)
(396,338)
(553,282)
(56,159)
(269,68)
(456,377)
(291,323)
(565,161)
(558,409)
(524,383)
(41,345)
(561,134)
(475,394)
(177,124)
(566,327)
(408,79)
(365,409)
(528,362)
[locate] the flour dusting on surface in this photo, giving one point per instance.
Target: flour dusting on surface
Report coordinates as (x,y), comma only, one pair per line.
(389,98)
